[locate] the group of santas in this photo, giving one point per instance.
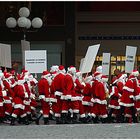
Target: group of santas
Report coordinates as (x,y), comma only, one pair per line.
(69,97)
(17,97)
(76,99)
(73,99)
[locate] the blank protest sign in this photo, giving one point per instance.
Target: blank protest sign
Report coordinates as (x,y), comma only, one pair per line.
(81,63)
(5,55)
(106,63)
(130,58)
(36,61)
(89,58)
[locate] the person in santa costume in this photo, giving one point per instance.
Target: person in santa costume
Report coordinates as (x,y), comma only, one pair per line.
(9,83)
(33,96)
(2,93)
(96,78)
(44,95)
(79,86)
(127,100)
(27,100)
(114,96)
(99,109)
(87,94)
(57,89)
(122,78)
(69,92)
(18,105)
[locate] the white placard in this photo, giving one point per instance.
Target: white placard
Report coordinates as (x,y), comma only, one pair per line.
(25,45)
(5,55)
(106,63)
(90,58)
(130,58)
(81,63)
(36,61)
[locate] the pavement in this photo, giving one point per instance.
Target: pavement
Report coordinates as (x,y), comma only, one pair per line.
(71,131)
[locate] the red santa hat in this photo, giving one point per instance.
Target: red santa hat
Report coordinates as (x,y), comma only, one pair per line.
(131,76)
(25,72)
(20,79)
(8,75)
(135,72)
(54,68)
(46,73)
(97,74)
(104,78)
(12,72)
(72,69)
(62,69)
(32,80)
(78,73)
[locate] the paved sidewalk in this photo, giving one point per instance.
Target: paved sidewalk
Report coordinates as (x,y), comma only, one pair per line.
(71,131)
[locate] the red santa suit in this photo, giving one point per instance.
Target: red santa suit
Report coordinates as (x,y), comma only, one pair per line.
(32,84)
(44,95)
(100,104)
(87,94)
(2,91)
(121,82)
(18,105)
(127,100)
(27,100)
(8,93)
(79,86)
(69,92)
(57,88)
(114,96)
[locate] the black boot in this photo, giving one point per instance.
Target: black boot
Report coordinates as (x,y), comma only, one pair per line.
(58,120)
(1,119)
(83,120)
(13,121)
(37,120)
(66,118)
(104,120)
(46,121)
(8,117)
(135,120)
(121,114)
(25,120)
(29,116)
(126,120)
(89,119)
(51,117)
(75,118)
(95,120)
(134,117)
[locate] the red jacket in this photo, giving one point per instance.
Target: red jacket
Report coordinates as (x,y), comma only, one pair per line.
(58,84)
(43,87)
(68,86)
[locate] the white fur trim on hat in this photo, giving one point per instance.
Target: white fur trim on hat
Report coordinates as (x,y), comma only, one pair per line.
(99,69)
(135,73)
(54,68)
(72,69)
